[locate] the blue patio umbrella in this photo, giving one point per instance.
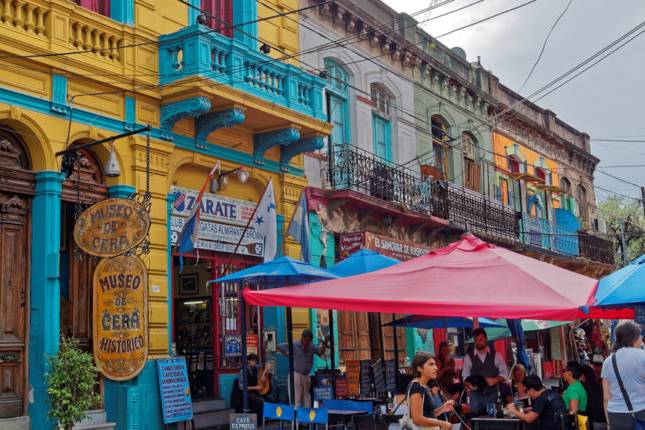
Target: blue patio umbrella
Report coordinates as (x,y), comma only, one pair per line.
(420,321)
(362,261)
(279,272)
(624,286)
(515,326)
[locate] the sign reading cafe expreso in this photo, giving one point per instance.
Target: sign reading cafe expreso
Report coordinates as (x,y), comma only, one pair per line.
(109,229)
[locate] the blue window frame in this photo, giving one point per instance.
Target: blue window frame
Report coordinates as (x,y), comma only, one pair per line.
(338,102)
(381,126)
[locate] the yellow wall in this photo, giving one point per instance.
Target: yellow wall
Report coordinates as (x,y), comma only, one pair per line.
(502,145)
(280,32)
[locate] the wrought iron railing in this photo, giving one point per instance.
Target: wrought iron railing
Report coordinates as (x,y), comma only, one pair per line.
(482,215)
(542,233)
(359,170)
(596,248)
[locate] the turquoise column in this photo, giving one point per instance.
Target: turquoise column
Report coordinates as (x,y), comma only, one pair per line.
(122,11)
(280,234)
(193,11)
(170,199)
(121,191)
(133,404)
(44,324)
(246,11)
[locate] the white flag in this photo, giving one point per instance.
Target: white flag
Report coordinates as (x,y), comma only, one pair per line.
(264,222)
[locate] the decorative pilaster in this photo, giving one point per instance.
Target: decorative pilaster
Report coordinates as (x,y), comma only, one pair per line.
(44,323)
(245,11)
(263,141)
(306,144)
(173,112)
(211,121)
(130,113)
(122,11)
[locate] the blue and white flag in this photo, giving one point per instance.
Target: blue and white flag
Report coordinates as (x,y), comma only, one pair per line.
(299,227)
(264,222)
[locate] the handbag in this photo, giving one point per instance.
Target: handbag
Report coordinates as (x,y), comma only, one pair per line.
(638,423)
(406,422)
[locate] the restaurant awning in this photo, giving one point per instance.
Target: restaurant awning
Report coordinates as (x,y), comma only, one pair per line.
(467,278)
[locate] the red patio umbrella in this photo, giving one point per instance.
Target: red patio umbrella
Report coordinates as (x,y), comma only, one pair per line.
(467,278)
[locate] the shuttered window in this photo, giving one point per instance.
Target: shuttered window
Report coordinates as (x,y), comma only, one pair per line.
(101,7)
(219,15)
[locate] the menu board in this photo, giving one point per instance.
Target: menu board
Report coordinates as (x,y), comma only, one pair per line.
(390,375)
(353,370)
(174,388)
(379,376)
(342,390)
(367,377)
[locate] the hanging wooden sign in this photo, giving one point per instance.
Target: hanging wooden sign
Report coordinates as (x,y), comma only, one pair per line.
(120,309)
(111,227)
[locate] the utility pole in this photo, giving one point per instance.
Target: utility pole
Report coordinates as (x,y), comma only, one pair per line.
(623,244)
(643,199)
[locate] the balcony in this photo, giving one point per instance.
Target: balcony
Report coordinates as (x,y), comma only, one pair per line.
(354,169)
(481,215)
(199,52)
(550,236)
(596,248)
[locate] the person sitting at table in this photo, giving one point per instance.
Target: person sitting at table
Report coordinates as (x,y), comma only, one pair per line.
(548,405)
(575,396)
(476,399)
(447,375)
(483,360)
(517,380)
(422,411)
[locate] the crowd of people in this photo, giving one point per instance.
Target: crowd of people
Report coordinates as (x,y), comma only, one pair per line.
(599,401)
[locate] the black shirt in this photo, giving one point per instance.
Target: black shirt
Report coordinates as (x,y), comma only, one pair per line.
(426,394)
(549,406)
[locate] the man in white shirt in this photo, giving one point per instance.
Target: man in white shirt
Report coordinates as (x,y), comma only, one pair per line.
(482,361)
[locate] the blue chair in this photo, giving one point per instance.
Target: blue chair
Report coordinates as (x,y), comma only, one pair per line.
(278,412)
(311,416)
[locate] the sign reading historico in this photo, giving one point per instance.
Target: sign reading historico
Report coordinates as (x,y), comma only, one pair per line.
(111,227)
(120,312)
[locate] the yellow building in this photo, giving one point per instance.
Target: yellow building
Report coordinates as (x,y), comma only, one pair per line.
(76,72)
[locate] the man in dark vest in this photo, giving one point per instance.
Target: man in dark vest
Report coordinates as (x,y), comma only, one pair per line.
(482,361)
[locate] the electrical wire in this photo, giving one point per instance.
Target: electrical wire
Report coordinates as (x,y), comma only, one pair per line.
(546,40)
(618,178)
(619,140)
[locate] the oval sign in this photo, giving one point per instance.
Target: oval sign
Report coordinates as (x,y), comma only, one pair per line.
(111,227)
(120,310)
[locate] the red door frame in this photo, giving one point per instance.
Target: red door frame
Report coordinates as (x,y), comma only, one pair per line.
(237,262)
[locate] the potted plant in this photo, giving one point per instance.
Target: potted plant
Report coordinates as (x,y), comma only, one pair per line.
(71,381)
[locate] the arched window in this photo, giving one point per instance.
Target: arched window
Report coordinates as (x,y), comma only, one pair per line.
(472,170)
(440,135)
(583,209)
(381,126)
(337,98)
(565,185)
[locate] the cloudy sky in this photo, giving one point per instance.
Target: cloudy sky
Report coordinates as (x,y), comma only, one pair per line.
(608,101)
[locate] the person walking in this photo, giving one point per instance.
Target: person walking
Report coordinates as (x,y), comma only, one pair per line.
(303,362)
(623,383)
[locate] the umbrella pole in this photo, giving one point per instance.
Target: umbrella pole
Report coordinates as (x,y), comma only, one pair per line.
(292,386)
(332,351)
(245,382)
(396,343)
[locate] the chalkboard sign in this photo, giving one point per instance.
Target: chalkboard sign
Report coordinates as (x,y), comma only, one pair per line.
(379,376)
(174,389)
(353,370)
(390,375)
(367,377)
(342,390)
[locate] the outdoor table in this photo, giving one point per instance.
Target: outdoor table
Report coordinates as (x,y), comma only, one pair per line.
(491,423)
(344,415)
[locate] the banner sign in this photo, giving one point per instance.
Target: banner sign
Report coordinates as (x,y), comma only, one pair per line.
(221,224)
(352,242)
(111,227)
(120,309)
(174,389)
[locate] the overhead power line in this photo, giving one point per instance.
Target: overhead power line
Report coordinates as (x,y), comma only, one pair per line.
(620,166)
(618,178)
(619,140)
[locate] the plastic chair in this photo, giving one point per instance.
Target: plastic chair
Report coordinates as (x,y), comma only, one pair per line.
(311,416)
(278,412)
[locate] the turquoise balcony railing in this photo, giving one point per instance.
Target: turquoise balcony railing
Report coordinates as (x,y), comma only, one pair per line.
(548,235)
(198,51)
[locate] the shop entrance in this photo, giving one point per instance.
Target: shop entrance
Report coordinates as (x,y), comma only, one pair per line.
(206,321)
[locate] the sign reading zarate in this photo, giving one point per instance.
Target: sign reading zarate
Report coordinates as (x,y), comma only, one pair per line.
(120,313)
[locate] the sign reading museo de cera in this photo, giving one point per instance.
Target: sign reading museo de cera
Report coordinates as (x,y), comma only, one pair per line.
(111,227)
(120,311)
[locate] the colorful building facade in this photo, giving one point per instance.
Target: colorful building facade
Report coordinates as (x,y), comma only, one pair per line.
(75,72)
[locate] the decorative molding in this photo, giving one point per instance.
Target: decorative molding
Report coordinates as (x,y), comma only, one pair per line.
(306,144)
(263,141)
(211,121)
(191,107)
(59,94)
